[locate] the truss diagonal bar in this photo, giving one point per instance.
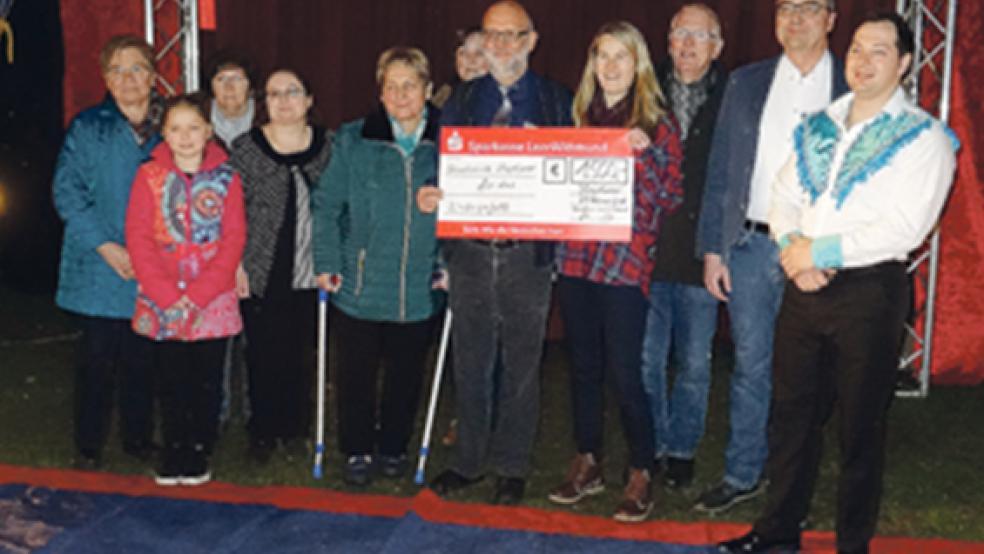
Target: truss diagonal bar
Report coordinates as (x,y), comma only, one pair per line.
(173,24)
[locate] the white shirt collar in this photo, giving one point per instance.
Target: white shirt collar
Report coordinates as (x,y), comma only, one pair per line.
(788,71)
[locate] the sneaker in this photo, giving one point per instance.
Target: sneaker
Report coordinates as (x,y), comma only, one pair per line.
(358,470)
(170,470)
(393,467)
(637,500)
(723,496)
(679,473)
(584,478)
(196,471)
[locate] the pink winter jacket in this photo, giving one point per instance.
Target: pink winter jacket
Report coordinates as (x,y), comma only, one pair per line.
(185,237)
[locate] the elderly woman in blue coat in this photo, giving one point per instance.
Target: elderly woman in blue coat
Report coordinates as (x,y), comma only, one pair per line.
(103,148)
(377,254)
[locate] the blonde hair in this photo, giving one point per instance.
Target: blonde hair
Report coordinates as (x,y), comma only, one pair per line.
(413,57)
(647,107)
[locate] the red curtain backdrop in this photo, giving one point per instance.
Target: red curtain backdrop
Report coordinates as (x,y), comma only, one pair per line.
(335,44)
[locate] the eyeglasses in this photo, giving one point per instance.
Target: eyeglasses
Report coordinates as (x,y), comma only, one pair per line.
(290,93)
(788,9)
(230,79)
(699,35)
(137,71)
(506,36)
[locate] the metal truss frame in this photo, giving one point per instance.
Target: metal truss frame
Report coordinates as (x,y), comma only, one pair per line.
(171,27)
(934,25)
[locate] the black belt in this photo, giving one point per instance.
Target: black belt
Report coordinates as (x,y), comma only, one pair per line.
(498,243)
(756,226)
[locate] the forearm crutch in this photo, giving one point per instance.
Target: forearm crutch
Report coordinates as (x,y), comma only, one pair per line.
(434,395)
(319,443)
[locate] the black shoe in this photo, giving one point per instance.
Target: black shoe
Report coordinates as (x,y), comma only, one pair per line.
(508,491)
(87,460)
(753,543)
(358,470)
(260,450)
(393,467)
(144,451)
(723,496)
(169,473)
(679,473)
(450,481)
(195,470)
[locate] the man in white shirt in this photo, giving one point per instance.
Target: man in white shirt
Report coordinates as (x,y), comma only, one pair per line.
(865,184)
(762,104)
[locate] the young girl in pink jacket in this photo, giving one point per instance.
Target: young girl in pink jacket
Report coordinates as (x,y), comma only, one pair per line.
(185,231)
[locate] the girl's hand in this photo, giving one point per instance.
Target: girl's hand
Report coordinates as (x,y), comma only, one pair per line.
(242,282)
(118,258)
(638,139)
(331,282)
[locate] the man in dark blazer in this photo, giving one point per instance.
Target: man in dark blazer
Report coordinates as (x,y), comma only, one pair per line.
(762,104)
(682,314)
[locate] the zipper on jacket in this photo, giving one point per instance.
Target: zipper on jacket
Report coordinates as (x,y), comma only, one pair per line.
(360,270)
(408,174)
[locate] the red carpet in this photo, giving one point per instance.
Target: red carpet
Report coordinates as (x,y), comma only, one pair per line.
(432,509)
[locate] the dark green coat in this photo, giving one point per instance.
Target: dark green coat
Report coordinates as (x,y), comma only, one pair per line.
(367,226)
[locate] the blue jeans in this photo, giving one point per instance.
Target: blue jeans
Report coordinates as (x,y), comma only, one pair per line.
(757,283)
(682,319)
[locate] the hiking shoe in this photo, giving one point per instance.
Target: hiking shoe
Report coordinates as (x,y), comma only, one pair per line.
(195,471)
(637,499)
(393,467)
(584,478)
(358,470)
(679,473)
(450,481)
(170,470)
(723,496)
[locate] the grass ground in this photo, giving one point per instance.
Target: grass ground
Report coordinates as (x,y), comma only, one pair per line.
(933,483)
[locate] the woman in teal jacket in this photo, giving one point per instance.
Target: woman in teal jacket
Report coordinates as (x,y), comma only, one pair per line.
(103,148)
(377,254)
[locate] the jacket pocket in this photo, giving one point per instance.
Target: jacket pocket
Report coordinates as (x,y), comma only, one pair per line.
(360,270)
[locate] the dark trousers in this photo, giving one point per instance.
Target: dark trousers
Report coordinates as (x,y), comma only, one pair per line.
(364,347)
(838,346)
(189,377)
(604,326)
(500,298)
(281,343)
(110,350)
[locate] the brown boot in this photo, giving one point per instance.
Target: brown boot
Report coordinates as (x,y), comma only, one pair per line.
(584,478)
(637,500)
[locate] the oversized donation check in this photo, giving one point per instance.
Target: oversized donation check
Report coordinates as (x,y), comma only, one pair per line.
(544,184)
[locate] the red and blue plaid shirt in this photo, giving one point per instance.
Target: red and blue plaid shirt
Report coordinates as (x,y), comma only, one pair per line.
(658,190)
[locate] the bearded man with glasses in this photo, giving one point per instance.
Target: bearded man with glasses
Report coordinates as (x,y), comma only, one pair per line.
(500,289)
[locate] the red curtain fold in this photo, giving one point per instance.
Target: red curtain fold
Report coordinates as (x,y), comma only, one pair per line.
(335,44)
(958,335)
